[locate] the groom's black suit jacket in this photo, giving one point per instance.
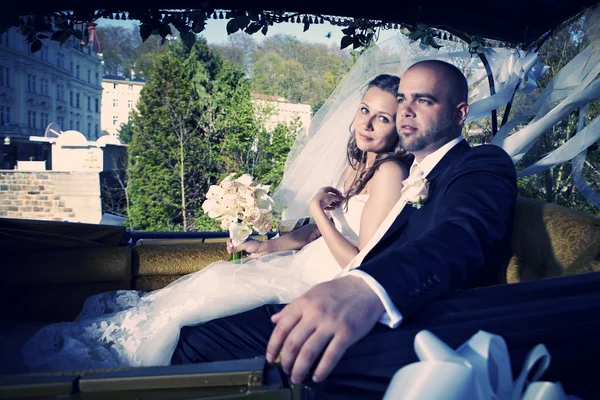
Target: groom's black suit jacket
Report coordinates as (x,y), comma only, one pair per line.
(460,238)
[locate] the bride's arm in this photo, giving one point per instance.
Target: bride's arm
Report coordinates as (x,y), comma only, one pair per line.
(384,191)
(292,241)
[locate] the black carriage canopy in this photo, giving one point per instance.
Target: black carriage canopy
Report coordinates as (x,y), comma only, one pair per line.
(512,22)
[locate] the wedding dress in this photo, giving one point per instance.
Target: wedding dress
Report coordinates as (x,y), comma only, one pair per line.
(132,328)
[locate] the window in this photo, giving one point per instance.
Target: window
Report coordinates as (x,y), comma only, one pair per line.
(89,75)
(2,76)
(7,76)
(97,108)
(115,102)
(115,119)
(89,103)
(60,60)
(30,84)
(115,85)
(44,117)
(78,126)
(44,86)
(71,124)
(77,100)
(89,130)
(130,104)
(33,85)
(2,122)
(97,79)
(71,98)
(96,130)
(71,66)
(61,121)
(77,71)
(31,119)
(130,87)
(60,92)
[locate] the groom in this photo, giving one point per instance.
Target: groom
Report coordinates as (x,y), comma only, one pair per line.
(349,332)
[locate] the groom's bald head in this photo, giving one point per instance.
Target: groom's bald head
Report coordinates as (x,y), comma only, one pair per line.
(454,79)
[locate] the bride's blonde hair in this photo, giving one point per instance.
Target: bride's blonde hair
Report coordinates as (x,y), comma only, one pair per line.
(358,158)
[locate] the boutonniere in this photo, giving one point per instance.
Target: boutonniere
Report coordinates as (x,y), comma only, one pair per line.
(416,191)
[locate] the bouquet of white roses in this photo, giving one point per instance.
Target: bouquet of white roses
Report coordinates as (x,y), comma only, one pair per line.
(241,205)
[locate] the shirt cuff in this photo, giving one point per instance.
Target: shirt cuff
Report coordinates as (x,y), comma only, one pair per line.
(392,316)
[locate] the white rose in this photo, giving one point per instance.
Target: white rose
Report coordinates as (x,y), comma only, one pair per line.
(264,224)
(252,214)
(229,202)
(213,208)
(215,192)
(264,203)
(238,233)
(416,191)
(226,220)
(245,180)
(229,188)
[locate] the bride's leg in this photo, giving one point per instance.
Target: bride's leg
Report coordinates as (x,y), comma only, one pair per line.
(239,336)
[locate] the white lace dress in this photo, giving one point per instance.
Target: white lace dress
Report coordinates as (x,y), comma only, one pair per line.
(132,328)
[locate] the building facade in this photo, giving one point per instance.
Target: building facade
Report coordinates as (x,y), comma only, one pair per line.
(59,84)
(119,98)
(278,110)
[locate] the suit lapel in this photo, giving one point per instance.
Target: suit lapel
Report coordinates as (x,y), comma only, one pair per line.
(450,157)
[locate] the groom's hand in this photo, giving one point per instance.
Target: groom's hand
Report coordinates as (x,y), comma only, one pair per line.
(324,322)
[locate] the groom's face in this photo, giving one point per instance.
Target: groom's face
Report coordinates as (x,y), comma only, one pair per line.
(426,116)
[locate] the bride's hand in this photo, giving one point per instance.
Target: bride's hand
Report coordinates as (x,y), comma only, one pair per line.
(327,198)
(250,248)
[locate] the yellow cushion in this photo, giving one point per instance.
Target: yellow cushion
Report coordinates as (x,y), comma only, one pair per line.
(176,258)
(550,240)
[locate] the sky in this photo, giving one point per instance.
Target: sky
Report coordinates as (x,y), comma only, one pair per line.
(216,32)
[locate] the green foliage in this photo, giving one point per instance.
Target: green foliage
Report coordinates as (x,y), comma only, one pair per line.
(195,123)
(125,132)
(297,71)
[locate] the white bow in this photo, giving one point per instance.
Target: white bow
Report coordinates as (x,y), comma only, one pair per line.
(477,370)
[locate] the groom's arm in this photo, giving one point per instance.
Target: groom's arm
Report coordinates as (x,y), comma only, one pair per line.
(475,216)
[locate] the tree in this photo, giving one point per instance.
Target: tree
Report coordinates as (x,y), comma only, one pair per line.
(125,131)
(167,148)
(239,50)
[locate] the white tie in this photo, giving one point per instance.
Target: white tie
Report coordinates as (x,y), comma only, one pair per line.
(415,173)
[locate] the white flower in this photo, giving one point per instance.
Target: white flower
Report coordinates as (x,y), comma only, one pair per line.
(226,220)
(229,188)
(416,191)
(264,202)
(238,233)
(214,208)
(245,180)
(252,214)
(230,202)
(264,223)
(215,192)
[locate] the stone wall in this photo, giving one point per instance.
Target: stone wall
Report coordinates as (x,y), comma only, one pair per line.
(50,195)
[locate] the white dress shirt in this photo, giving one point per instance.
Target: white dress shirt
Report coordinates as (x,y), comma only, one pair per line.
(392,316)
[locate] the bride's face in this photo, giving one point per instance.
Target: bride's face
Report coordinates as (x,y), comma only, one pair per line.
(374,122)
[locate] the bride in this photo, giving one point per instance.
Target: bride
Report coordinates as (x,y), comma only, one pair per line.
(360,183)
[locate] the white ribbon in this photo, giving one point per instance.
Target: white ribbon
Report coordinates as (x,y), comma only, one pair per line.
(477,370)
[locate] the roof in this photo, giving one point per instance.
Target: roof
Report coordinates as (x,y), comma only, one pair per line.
(512,21)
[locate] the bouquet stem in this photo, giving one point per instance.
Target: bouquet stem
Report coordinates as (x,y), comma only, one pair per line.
(236,257)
